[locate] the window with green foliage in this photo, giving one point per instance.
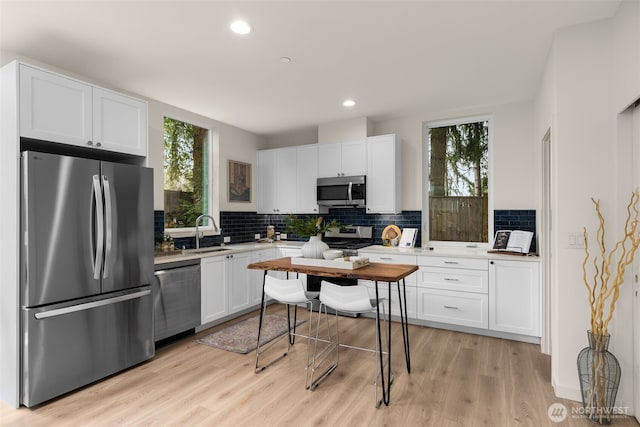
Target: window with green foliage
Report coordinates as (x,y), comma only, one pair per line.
(458,180)
(186,173)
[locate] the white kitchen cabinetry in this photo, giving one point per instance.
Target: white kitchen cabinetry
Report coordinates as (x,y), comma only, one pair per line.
(383,287)
(225,287)
(453,290)
(64,110)
(281,183)
(256,276)
(213,289)
(307,176)
(514,291)
(119,122)
(384,174)
(240,287)
(342,159)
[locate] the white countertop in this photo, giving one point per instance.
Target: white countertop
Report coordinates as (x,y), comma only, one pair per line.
(448,252)
(436,251)
(230,249)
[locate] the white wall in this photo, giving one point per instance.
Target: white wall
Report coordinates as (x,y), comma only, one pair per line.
(515,178)
(580,98)
(302,136)
(343,130)
(230,143)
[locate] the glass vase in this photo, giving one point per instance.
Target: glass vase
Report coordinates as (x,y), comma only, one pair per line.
(599,374)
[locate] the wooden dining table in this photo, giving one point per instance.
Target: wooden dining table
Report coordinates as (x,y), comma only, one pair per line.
(375,272)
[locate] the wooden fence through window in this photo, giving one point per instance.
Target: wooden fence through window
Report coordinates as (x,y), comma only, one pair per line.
(458,219)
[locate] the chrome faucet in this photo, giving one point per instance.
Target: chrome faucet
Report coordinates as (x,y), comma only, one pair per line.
(198,236)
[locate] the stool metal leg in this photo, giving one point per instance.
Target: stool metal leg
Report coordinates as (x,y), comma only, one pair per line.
(331,346)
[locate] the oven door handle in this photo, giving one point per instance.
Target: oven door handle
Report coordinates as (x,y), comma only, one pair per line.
(349,191)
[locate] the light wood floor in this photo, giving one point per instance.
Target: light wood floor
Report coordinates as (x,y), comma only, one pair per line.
(457,380)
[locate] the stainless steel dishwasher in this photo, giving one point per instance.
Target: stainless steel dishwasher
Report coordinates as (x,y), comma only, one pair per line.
(176,298)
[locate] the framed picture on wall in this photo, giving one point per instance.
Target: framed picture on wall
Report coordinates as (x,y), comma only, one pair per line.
(239,182)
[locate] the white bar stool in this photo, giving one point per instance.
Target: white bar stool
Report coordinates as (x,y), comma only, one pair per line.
(289,292)
(352,300)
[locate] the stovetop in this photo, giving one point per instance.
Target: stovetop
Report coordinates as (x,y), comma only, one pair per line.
(350,238)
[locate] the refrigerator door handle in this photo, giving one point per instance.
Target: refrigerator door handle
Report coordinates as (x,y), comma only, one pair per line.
(108,225)
(90,305)
(98,258)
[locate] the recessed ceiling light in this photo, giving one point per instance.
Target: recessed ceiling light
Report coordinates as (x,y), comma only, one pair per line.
(349,103)
(285,59)
(240,27)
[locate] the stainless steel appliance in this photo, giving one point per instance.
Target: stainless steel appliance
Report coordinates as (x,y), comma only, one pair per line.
(342,191)
(349,239)
(176,298)
(87,251)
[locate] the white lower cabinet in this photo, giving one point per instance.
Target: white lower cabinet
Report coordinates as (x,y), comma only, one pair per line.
(514,290)
(383,292)
(240,289)
(453,290)
(213,289)
(256,276)
(457,308)
(410,282)
(225,287)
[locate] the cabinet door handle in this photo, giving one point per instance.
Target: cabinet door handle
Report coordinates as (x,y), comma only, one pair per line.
(448,279)
(98,144)
(386,258)
(450,307)
(451,262)
(89,142)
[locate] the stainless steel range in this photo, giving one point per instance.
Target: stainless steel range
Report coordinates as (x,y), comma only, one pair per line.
(349,239)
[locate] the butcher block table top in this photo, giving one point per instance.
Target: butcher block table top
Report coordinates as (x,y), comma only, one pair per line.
(375,271)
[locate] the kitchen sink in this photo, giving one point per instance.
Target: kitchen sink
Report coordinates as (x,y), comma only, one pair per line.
(204,250)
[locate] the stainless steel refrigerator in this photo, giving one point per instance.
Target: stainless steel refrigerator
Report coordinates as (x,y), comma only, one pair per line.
(86,270)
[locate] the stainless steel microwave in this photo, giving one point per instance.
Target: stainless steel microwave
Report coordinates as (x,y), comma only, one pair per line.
(342,191)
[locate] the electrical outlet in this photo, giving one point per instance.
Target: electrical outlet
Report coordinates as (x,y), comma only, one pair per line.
(256,236)
(227,239)
(283,236)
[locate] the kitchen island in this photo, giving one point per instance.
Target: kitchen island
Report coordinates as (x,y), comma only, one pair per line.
(376,272)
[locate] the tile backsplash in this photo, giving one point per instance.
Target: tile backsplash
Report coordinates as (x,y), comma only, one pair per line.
(523,219)
(243,226)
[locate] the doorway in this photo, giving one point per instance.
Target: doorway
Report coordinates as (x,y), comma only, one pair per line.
(544,242)
(636,270)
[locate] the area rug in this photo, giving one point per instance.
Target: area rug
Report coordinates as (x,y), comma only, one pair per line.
(241,337)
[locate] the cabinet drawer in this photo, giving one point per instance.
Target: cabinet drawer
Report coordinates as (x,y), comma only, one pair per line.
(453,279)
(393,259)
(468,263)
(457,308)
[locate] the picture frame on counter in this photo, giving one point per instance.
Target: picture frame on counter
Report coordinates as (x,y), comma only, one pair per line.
(239,187)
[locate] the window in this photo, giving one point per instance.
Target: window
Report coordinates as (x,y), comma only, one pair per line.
(186,174)
(457,190)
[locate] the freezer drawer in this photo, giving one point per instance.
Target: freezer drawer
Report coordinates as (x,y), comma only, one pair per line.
(66,346)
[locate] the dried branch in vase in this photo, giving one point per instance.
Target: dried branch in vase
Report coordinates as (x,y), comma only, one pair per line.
(609,268)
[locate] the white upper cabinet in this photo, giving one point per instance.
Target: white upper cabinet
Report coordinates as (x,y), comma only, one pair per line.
(286,179)
(119,122)
(54,108)
(277,181)
(342,159)
(384,174)
(307,177)
(266,201)
(64,110)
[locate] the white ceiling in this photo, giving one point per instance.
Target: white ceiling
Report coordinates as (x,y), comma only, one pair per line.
(390,56)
